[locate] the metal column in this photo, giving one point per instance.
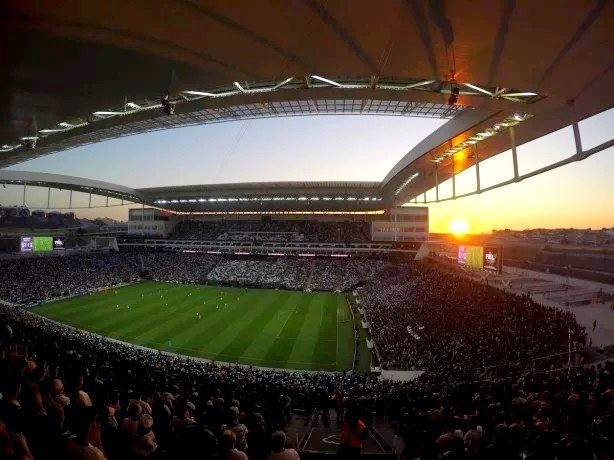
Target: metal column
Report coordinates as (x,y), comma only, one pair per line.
(453,179)
(436,184)
(514,155)
(477,167)
(70,200)
(48,197)
(577,138)
(24,193)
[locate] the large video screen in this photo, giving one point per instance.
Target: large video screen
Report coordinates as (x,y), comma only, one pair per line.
(492,259)
(59,243)
(25,244)
(462,255)
(475,257)
(42,244)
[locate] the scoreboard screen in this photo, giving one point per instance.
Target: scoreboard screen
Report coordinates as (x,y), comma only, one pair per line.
(59,243)
(26,244)
(475,256)
(42,244)
(481,257)
(492,259)
(462,255)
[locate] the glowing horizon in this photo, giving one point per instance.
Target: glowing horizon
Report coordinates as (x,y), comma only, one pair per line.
(579,195)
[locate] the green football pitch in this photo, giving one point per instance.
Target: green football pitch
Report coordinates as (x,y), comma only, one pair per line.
(260,327)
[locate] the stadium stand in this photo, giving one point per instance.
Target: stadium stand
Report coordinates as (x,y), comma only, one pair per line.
(274,230)
(71,394)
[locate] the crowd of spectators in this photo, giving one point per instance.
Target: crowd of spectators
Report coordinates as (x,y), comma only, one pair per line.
(33,279)
(73,395)
(273,230)
(278,272)
(343,273)
(69,394)
(422,318)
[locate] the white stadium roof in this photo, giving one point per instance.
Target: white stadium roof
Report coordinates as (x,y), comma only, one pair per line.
(77,73)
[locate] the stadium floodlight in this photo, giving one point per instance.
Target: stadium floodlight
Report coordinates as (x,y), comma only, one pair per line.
(477,88)
(527,94)
(302,198)
(198,93)
(201,200)
(279,85)
(307,254)
(105,113)
(497,128)
(420,83)
(214,252)
(339,255)
(276,254)
(326,80)
(406,182)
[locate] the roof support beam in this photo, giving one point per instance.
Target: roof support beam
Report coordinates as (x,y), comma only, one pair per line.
(453,178)
(514,154)
(477,168)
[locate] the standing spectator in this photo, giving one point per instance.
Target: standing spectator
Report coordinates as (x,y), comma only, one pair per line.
(353,433)
(279,450)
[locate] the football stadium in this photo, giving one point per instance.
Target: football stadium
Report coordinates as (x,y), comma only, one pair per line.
(246,230)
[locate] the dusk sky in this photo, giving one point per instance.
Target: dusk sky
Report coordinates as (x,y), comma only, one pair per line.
(346,148)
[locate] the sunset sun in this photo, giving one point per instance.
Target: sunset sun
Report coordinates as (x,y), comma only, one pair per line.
(459,227)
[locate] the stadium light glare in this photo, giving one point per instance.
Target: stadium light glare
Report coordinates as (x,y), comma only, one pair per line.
(477,88)
(198,93)
(497,128)
(326,80)
(406,182)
